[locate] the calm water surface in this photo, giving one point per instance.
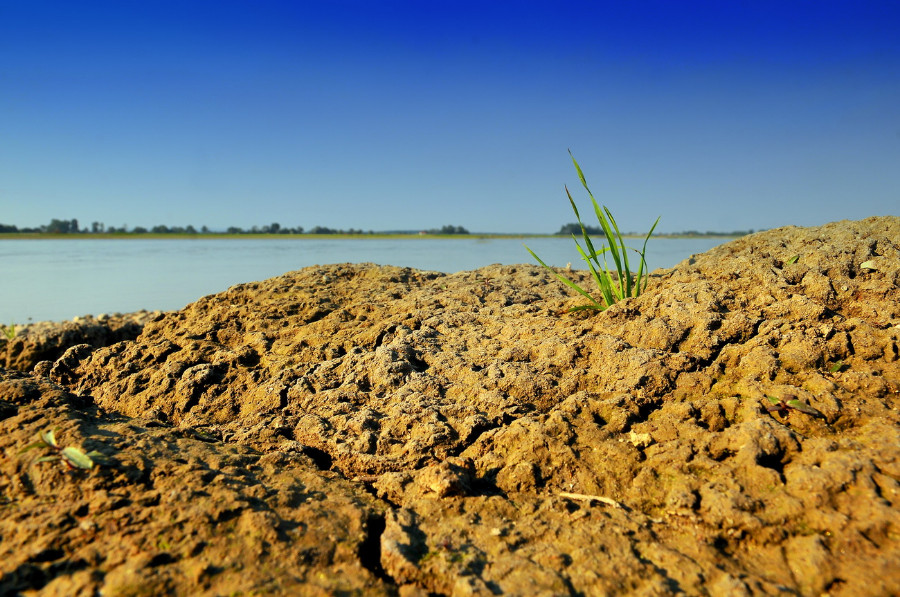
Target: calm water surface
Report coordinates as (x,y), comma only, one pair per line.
(42,279)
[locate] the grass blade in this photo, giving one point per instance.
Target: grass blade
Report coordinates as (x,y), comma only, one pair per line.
(580,173)
(805,408)
(38,444)
(77,458)
(600,277)
(49,437)
(638,289)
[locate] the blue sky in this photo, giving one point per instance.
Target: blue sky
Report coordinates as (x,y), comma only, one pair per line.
(380,115)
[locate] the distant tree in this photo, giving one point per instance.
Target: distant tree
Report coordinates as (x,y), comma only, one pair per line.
(73,225)
(234,230)
(160,229)
(322,230)
(204,230)
(575,229)
(97,227)
(139,230)
(190,230)
(59,226)
(449,230)
(8,228)
(274,227)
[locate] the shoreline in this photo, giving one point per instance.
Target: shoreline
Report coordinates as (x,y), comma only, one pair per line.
(475,236)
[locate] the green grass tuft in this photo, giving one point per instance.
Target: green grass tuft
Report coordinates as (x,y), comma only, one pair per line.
(613,287)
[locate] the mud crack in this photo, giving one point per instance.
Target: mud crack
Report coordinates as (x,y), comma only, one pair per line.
(370,548)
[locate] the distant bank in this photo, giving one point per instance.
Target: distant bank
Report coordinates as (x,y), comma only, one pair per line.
(320,236)
(71,229)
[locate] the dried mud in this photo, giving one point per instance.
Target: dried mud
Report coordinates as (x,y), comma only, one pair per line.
(358,429)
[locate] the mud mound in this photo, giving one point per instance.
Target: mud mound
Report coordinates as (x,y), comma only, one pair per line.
(733,430)
(47,340)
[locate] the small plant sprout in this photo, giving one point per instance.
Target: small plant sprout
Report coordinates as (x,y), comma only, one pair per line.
(793,259)
(71,457)
(9,331)
(613,286)
(788,403)
(836,367)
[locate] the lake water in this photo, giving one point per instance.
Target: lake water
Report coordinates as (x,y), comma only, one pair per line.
(50,279)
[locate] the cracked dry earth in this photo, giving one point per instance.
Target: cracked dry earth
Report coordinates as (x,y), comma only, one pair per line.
(357,429)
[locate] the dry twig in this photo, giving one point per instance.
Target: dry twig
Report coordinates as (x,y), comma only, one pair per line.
(590,498)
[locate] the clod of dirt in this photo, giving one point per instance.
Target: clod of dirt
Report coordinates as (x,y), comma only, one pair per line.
(463,434)
(47,341)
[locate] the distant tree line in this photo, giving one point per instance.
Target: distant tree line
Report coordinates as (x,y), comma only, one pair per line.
(57,226)
(713,233)
(570,229)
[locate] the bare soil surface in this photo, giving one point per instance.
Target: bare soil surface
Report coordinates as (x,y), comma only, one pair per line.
(359,429)
(47,341)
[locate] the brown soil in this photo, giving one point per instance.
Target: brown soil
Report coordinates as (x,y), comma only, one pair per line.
(356,429)
(47,341)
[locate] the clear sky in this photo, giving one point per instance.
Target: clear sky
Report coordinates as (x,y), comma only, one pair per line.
(393,114)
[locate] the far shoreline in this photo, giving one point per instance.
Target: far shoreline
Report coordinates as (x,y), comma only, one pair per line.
(377,235)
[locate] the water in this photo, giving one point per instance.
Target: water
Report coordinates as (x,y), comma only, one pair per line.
(44,279)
